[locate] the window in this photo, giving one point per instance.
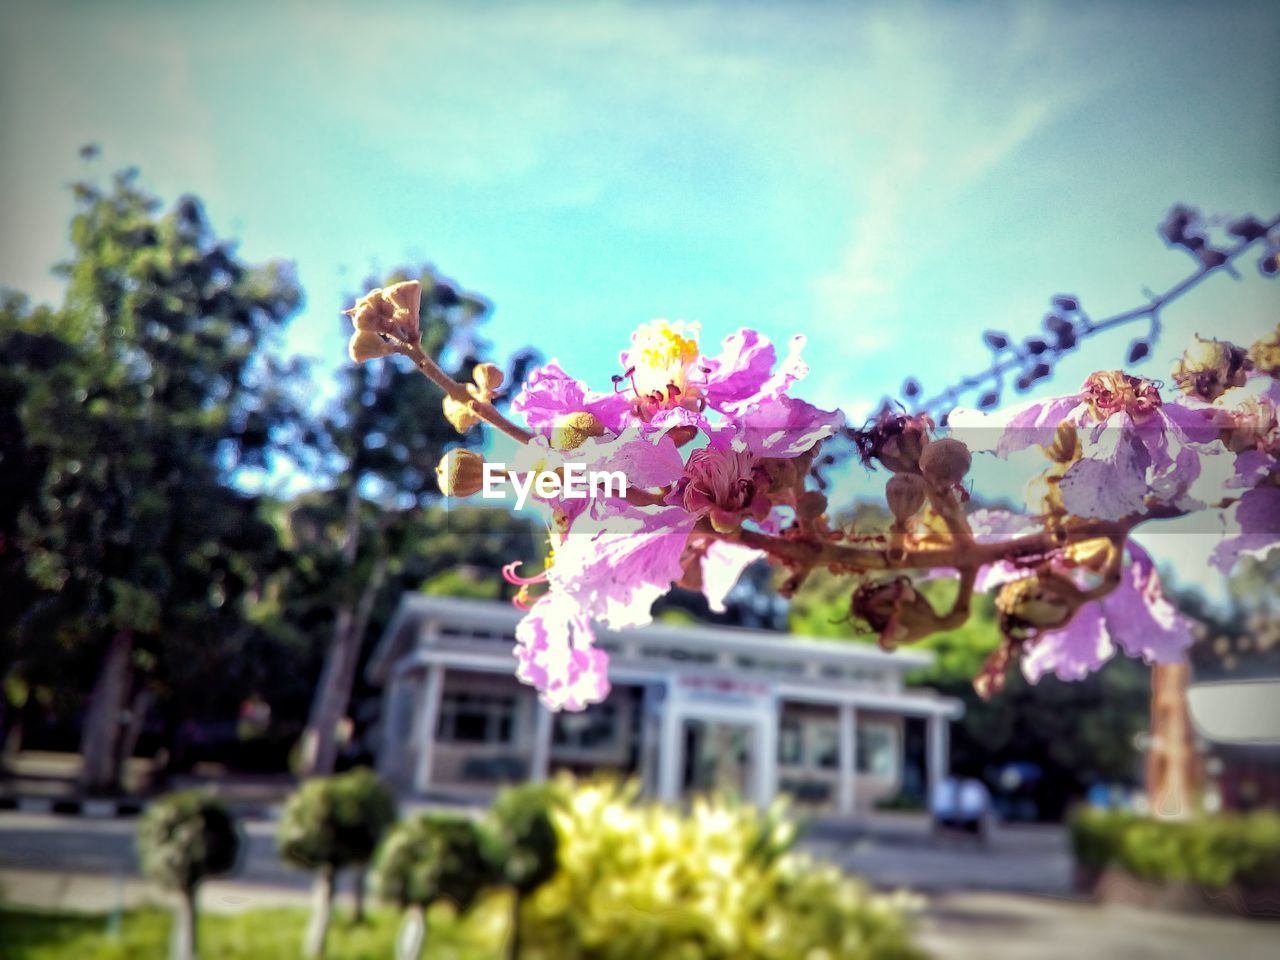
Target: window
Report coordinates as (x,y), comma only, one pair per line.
(878,749)
(790,743)
(595,728)
(825,744)
(476,718)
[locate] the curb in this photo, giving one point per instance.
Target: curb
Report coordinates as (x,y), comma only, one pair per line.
(73,806)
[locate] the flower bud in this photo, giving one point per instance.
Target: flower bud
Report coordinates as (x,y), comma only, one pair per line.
(905,494)
(366,345)
(572,430)
(391,310)
(1030,606)
(945,462)
(460,415)
(460,473)
(487,377)
(1265,354)
(1209,368)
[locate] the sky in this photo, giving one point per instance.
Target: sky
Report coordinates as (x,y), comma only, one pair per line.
(887,179)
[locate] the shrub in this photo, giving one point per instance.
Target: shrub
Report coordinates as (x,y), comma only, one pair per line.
(331,823)
(1211,851)
(640,880)
(522,846)
(183,838)
(429,858)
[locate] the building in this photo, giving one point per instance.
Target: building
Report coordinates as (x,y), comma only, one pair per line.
(692,707)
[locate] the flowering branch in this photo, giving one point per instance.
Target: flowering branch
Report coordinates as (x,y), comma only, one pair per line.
(1070,585)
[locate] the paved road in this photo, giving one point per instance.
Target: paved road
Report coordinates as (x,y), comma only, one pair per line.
(82,845)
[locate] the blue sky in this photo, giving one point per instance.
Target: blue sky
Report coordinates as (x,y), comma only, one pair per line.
(887,179)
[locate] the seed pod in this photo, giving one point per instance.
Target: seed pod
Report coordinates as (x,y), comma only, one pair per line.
(460,473)
(1035,604)
(1265,354)
(572,430)
(945,462)
(905,493)
(1209,368)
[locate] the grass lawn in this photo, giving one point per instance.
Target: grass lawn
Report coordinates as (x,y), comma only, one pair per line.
(253,935)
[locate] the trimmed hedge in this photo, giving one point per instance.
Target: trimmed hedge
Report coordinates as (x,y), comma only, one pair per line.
(1214,852)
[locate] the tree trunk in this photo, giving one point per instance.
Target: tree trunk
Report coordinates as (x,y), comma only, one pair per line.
(413,930)
(132,728)
(357,894)
(182,938)
(100,770)
(513,942)
(321,907)
(319,739)
(320,746)
(1171,757)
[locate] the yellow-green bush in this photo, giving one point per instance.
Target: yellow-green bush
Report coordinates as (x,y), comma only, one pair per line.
(639,880)
(1211,851)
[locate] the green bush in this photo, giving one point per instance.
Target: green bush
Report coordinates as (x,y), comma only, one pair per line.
(1210,851)
(331,823)
(432,857)
(336,821)
(183,838)
(520,837)
(640,880)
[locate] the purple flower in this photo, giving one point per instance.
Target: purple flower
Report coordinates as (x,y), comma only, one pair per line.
(1135,448)
(617,563)
(1252,527)
(1136,615)
(555,653)
(550,394)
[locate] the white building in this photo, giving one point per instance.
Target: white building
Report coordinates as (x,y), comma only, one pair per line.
(692,707)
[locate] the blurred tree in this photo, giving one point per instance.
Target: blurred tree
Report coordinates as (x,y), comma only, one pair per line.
(184,838)
(381,440)
(134,405)
(330,824)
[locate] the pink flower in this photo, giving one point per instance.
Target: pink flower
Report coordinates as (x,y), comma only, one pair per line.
(1136,615)
(556,654)
(721,485)
(616,564)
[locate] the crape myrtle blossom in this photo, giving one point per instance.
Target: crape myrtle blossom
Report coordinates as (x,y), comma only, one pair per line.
(1068,638)
(719,456)
(1134,447)
(612,556)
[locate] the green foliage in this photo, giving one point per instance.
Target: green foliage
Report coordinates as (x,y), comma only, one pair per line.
(128,410)
(433,857)
(640,880)
(521,840)
(185,837)
(336,821)
(1210,851)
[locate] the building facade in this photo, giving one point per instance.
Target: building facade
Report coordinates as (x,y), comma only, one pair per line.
(692,708)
